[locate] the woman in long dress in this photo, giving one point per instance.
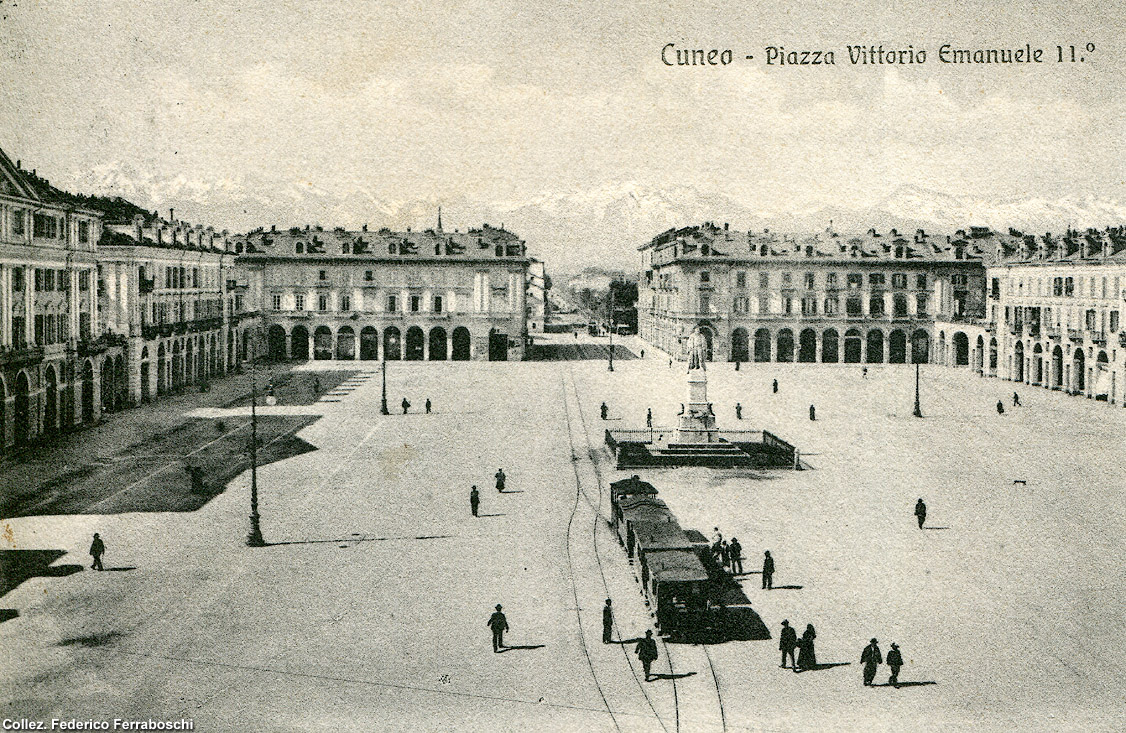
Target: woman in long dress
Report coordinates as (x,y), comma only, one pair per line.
(807,656)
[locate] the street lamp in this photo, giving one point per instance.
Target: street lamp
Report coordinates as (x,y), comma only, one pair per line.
(383,405)
(254,539)
(918,410)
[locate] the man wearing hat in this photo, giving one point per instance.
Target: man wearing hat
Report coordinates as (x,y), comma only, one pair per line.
(499,624)
(788,642)
(895,661)
(871,658)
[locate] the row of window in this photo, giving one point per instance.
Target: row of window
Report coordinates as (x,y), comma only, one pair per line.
(1091,287)
(831,305)
(392,303)
(49,328)
(1092,319)
(832,280)
(46,226)
(176,311)
(50,280)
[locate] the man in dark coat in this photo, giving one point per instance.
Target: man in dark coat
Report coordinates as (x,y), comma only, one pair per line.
(499,624)
(1000,407)
(775,386)
(871,658)
(474,500)
(607,622)
(1016,403)
(97,549)
(738,411)
(895,661)
(646,651)
(812,413)
(500,480)
(788,642)
(920,512)
(427,405)
(406,405)
(767,571)
(603,410)
(735,550)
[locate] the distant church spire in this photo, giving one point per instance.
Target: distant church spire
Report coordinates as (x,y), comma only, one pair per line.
(439,218)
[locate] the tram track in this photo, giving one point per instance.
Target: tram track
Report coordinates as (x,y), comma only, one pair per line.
(597,517)
(669,656)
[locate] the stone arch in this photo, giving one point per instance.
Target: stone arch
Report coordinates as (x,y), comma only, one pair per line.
(369,343)
(1079,371)
(875,346)
(415,344)
(708,333)
(392,344)
(897,347)
(1018,362)
(437,344)
(941,356)
(345,343)
(740,345)
(807,346)
(275,342)
(993,357)
(461,344)
(961,344)
(22,408)
(830,346)
(322,343)
(979,356)
(853,346)
(88,391)
(1037,375)
(161,369)
(299,343)
(785,348)
(50,400)
(146,374)
(762,345)
(1057,367)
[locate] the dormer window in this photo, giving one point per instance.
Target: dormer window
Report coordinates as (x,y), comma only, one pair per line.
(300,247)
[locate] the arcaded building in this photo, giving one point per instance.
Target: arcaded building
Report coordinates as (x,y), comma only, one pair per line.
(370,295)
(824,297)
(169,290)
(49,330)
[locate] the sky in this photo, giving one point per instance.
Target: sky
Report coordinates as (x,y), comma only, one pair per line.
(509,102)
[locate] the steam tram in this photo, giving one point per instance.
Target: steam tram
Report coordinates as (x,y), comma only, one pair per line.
(679,576)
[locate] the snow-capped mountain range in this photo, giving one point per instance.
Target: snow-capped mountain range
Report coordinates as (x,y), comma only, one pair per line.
(600,225)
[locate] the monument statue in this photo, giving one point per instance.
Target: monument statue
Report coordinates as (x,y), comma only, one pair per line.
(697,350)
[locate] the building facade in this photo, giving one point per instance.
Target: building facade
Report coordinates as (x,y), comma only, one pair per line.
(1057,305)
(360,295)
(48,308)
(170,291)
(536,296)
(824,297)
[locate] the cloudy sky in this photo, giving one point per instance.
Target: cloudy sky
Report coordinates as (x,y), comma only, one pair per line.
(508,102)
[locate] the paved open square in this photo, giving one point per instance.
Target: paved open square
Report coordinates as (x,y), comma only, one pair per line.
(368,608)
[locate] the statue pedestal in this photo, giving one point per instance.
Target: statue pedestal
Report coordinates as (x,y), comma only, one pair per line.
(697,423)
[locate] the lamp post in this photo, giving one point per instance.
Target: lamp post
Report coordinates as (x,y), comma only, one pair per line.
(383,405)
(918,410)
(611,319)
(254,539)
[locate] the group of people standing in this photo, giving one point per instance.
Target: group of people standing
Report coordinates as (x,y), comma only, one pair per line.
(871,658)
(790,644)
(475,496)
(728,555)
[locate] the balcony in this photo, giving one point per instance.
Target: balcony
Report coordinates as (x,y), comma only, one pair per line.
(1052,332)
(92,347)
(1098,337)
(20,356)
(1075,334)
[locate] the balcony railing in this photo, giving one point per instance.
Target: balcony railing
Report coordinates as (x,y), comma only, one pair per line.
(1098,337)
(1075,334)
(20,356)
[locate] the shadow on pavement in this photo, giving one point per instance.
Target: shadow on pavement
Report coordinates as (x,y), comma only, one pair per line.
(906,684)
(7,614)
(121,569)
(664,676)
(519,648)
(16,566)
(827,665)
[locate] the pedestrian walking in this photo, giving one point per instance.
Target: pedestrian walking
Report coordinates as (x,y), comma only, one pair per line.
(735,550)
(670,363)
(871,658)
(474,500)
(607,622)
(646,651)
(788,642)
(775,386)
(738,411)
(603,410)
(649,417)
(643,353)
(1016,403)
(812,413)
(921,512)
(499,624)
(500,477)
(406,405)
(427,405)
(807,652)
(1000,407)
(736,365)
(864,372)
(767,571)
(895,661)
(97,549)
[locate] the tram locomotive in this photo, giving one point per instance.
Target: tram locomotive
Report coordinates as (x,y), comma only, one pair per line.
(678,574)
